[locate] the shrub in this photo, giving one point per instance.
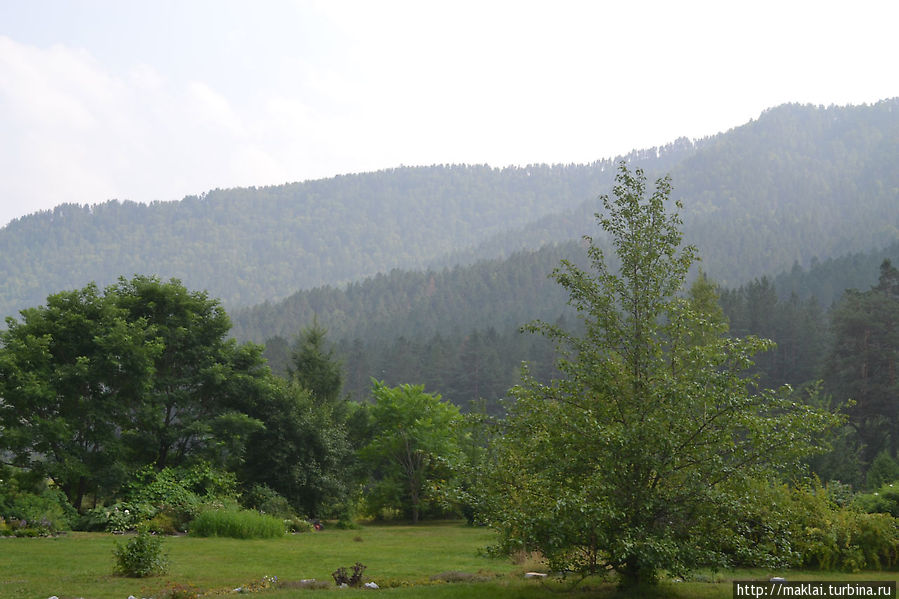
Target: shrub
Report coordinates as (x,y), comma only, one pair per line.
(805,527)
(142,556)
(160,524)
(263,498)
(884,469)
(238,524)
(45,513)
(851,541)
(884,500)
(118,517)
(298,525)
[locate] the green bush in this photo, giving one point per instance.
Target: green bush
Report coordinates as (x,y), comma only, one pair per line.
(160,524)
(266,500)
(298,525)
(806,527)
(884,500)
(242,524)
(29,507)
(884,469)
(852,541)
(142,556)
(44,513)
(119,517)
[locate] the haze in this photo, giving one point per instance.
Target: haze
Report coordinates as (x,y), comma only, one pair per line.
(154,101)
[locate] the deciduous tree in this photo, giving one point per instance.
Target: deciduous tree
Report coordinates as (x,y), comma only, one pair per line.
(622,461)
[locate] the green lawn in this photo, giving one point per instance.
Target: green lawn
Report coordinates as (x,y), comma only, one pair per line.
(403,557)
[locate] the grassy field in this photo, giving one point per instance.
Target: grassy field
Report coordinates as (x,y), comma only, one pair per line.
(401,559)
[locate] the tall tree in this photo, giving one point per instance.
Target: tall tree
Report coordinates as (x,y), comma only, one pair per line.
(72,374)
(637,449)
(314,366)
(863,361)
(190,388)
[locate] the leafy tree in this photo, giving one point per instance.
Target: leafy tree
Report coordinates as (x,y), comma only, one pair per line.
(72,374)
(178,412)
(300,453)
(413,437)
(623,461)
(96,385)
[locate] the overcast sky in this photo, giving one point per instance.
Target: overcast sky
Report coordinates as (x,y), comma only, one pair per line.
(120,99)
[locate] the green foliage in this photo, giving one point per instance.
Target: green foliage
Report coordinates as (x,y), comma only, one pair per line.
(179,493)
(880,500)
(851,541)
(863,362)
(413,440)
(118,517)
(298,525)
(237,524)
(315,368)
(98,384)
(141,556)
(266,500)
(28,504)
(301,454)
(884,469)
(625,460)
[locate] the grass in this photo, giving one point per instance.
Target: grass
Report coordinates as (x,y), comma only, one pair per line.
(404,557)
(242,524)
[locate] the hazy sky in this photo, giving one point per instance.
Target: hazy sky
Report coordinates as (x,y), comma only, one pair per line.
(157,100)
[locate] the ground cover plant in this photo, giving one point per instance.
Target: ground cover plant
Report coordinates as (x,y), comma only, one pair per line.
(406,561)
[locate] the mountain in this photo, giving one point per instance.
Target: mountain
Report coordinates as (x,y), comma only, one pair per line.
(800,182)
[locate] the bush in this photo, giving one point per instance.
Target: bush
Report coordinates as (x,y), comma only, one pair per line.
(298,525)
(119,517)
(160,524)
(884,469)
(263,498)
(44,513)
(852,541)
(29,507)
(142,556)
(884,500)
(242,524)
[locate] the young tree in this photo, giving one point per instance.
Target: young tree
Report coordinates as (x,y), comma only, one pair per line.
(623,461)
(314,367)
(413,433)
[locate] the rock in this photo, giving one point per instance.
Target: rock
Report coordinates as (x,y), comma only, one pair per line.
(534,575)
(370,585)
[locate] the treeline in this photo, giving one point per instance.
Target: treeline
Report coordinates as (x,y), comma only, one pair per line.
(473,364)
(129,405)
(458,330)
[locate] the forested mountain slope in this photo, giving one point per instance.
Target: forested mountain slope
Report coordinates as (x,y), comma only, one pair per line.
(246,246)
(799,182)
(457,330)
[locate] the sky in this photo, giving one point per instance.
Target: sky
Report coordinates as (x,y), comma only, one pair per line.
(146,101)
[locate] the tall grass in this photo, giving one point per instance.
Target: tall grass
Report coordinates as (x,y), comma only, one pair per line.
(242,524)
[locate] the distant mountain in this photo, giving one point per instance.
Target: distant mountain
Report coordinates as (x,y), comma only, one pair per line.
(800,182)
(251,245)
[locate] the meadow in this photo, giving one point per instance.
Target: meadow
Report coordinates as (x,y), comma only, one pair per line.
(441,560)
